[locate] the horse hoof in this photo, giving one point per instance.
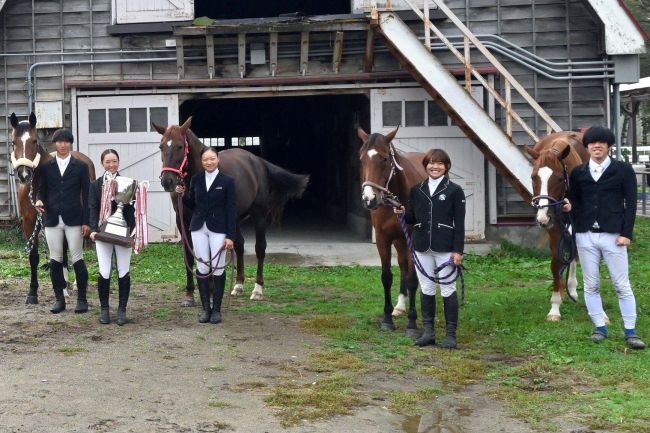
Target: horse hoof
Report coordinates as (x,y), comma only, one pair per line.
(398,312)
(413,333)
(553,318)
(256,296)
(188,303)
(388,327)
(238,290)
(31,300)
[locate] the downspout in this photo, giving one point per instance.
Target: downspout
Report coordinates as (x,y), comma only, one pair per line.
(617,121)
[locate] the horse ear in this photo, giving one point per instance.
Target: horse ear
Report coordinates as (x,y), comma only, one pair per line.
(32,120)
(185,126)
(566,151)
(532,152)
(391,135)
(161,130)
(14,120)
(363,135)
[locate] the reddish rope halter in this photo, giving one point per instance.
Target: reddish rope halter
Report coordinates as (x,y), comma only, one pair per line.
(182,169)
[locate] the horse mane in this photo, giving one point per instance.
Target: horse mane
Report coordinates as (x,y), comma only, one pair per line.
(284,186)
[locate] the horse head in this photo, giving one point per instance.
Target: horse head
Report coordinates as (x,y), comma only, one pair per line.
(174,153)
(550,175)
(25,155)
(378,165)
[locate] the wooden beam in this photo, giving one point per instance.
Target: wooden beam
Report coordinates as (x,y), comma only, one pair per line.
(209,52)
(180,57)
(338,52)
(273,53)
(241,50)
(369,60)
(304,52)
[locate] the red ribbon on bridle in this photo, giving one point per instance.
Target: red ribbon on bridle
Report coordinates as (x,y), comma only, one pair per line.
(182,169)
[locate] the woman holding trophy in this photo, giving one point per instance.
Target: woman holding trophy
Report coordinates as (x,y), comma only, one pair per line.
(101,202)
(211,195)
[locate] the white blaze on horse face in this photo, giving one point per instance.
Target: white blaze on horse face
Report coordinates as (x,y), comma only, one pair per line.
(24,139)
(544,174)
(372,152)
(169,143)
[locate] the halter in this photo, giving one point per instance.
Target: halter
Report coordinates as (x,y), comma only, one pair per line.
(388,197)
(182,169)
(23,161)
(552,201)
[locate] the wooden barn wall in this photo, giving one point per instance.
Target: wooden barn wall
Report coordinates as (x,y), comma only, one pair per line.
(556,30)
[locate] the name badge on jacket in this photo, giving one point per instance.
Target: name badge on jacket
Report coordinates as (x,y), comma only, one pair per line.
(442,197)
(219,187)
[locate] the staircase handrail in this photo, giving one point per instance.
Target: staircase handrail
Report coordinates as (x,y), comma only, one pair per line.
(468,36)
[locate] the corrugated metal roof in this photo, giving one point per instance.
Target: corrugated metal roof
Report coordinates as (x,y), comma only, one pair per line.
(623,34)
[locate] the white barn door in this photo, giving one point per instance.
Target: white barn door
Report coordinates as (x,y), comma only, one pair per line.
(123,123)
(149,11)
(423,126)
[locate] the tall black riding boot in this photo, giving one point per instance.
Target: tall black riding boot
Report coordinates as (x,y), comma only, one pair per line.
(204,293)
(451,317)
(58,284)
(103,287)
(124,285)
(219,282)
(428,305)
(81,273)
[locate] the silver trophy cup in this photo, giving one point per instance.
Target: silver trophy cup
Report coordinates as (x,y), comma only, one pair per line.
(115,229)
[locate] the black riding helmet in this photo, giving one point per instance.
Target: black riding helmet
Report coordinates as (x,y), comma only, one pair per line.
(598,133)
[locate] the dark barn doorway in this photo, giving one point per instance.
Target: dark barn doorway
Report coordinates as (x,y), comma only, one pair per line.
(313,135)
(228,9)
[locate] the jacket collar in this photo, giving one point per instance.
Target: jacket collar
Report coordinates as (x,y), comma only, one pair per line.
(443,185)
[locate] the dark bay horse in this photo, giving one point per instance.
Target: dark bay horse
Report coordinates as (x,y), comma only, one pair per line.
(555,156)
(26,158)
(262,191)
(384,171)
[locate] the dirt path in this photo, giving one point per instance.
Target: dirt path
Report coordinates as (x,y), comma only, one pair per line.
(164,372)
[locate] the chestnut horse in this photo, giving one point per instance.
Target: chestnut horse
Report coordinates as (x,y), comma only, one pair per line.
(555,156)
(26,158)
(262,191)
(388,174)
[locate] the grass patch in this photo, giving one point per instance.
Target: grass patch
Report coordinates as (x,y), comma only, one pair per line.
(296,403)
(218,404)
(413,402)
(216,368)
(162,313)
(335,360)
(453,367)
(70,350)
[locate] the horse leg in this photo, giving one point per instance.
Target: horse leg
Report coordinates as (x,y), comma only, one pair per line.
(558,286)
(408,286)
(260,253)
(32,296)
(383,248)
(238,290)
(572,284)
(69,286)
(189,259)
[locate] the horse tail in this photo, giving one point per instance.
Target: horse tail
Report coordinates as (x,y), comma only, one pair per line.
(283,186)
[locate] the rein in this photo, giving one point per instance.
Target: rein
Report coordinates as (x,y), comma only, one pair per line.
(566,249)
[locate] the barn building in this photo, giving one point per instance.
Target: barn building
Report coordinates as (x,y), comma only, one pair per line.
(291,80)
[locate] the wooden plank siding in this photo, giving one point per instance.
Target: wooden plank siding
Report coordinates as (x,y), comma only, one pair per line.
(556,30)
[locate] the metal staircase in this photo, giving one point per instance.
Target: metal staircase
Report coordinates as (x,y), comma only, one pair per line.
(495,141)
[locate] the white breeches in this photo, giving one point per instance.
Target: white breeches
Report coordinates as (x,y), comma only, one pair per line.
(105,258)
(206,245)
(431,260)
(55,237)
(591,248)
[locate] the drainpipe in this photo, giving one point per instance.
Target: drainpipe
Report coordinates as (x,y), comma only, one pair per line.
(617,121)
(30,84)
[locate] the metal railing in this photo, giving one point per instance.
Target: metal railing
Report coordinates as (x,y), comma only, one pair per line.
(643,196)
(510,83)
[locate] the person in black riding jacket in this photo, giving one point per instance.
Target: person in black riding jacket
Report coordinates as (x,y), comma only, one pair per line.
(212,197)
(603,199)
(436,209)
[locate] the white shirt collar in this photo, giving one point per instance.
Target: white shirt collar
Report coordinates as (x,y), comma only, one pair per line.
(433,184)
(64,161)
(209,178)
(593,164)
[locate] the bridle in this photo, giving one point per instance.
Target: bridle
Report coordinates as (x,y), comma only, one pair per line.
(23,161)
(181,171)
(552,201)
(387,197)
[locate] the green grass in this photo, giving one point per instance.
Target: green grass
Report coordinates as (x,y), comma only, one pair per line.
(540,370)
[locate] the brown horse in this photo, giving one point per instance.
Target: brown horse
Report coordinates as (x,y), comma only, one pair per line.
(26,158)
(556,155)
(262,191)
(387,174)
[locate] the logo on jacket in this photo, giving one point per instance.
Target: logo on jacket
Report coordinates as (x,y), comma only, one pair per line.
(442,197)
